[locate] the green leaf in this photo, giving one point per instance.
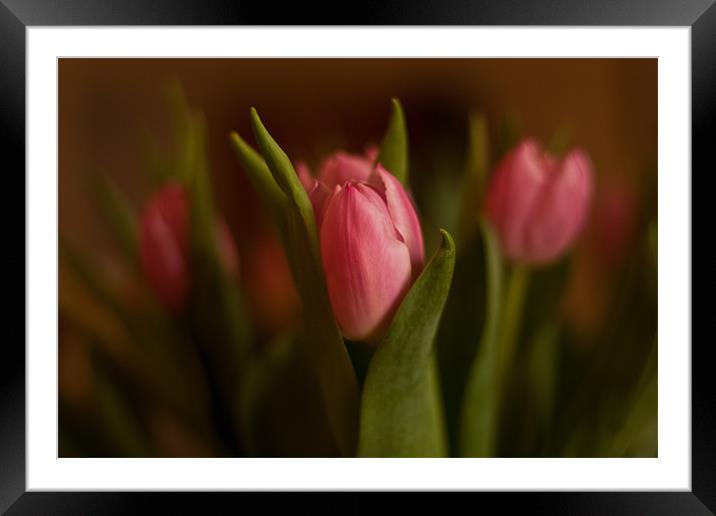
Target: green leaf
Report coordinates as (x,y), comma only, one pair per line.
(479,412)
(203,218)
(263,182)
(327,350)
(258,172)
(401,411)
(393,153)
(476,175)
(183,132)
(285,176)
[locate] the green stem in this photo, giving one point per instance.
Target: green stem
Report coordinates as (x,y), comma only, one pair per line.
(512,316)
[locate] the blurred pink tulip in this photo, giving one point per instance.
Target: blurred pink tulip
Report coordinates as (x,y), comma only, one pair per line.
(164,246)
(538,204)
(371,241)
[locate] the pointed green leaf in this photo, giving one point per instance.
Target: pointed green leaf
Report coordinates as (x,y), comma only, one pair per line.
(183,132)
(201,200)
(394,149)
(259,174)
(285,176)
(327,350)
(401,411)
(479,412)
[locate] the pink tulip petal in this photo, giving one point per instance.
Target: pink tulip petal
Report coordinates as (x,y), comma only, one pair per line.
(367,266)
(318,195)
(515,186)
(342,167)
(371,152)
(304,175)
(559,214)
(403,215)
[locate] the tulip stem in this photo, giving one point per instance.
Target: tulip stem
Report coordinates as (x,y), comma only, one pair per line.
(511,316)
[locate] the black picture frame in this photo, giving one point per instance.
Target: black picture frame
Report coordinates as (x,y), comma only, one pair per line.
(17,15)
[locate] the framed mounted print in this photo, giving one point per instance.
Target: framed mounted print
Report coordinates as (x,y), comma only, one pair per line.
(447,251)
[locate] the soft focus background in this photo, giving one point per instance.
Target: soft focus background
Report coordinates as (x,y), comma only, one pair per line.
(592,401)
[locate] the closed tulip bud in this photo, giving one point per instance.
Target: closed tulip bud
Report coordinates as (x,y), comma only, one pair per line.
(538,204)
(164,246)
(371,246)
(335,170)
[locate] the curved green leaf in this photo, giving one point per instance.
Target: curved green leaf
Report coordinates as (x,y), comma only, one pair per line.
(401,412)
(259,174)
(327,350)
(393,153)
(479,410)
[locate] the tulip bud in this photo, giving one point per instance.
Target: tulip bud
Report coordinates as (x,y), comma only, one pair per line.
(537,203)
(164,246)
(371,245)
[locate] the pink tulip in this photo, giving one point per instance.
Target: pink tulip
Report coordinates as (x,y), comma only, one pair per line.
(371,242)
(537,203)
(164,246)
(335,170)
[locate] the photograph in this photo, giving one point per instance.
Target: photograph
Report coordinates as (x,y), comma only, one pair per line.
(357,257)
